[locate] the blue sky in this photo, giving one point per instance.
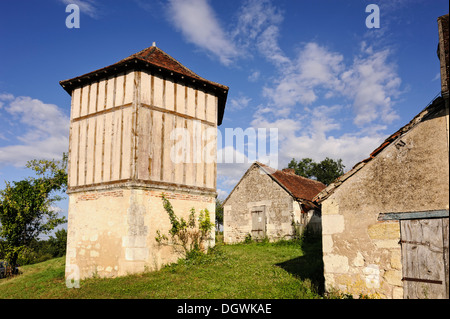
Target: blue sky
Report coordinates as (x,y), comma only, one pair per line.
(312,69)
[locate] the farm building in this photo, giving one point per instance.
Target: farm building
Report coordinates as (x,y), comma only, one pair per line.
(385,222)
(126,123)
(270,203)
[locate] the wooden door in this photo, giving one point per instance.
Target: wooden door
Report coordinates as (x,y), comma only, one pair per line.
(425,258)
(258,223)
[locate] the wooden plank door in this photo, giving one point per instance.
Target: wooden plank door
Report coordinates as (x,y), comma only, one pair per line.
(425,258)
(258,223)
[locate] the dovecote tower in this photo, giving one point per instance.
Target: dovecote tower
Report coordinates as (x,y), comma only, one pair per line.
(144,126)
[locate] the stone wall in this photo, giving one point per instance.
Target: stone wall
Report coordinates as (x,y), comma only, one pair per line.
(112,232)
(362,254)
(257,189)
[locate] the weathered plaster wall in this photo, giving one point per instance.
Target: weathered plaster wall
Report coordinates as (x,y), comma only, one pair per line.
(258,189)
(112,232)
(361,254)
(141,126)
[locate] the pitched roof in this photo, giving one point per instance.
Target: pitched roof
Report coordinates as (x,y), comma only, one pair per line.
(299,187)
(431,109)
(155,59)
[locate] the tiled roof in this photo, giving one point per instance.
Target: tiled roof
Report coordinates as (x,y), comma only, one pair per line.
(153,58)
(300,187)
(158,57)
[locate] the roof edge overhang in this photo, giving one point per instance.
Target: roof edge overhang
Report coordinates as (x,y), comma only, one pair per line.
(426,113)
(136,64)
(269,171)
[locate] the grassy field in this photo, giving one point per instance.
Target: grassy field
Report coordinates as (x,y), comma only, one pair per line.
(283,270)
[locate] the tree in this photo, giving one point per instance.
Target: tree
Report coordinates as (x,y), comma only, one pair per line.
(325,171)
(303,168)
(328,170)
(57,244)
(26,209)
(219,212)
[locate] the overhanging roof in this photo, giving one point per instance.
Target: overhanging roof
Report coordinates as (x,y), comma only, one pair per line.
(156,60)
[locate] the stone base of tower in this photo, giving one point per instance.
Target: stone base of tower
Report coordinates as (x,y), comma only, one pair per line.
(111,232)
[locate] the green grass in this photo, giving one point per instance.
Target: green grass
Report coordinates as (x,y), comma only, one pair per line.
(283,270)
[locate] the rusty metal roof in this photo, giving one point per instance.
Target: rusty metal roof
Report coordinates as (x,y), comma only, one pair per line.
(156,60)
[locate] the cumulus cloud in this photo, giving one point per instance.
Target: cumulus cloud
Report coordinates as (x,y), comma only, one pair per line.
(198,23)
(36,130)
(240,102)
(315,68)
(258,27)
(370,83)
(315,134)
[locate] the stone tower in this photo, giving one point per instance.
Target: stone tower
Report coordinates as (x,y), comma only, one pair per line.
(139,128)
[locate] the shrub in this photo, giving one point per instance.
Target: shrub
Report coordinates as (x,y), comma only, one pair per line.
(185,234)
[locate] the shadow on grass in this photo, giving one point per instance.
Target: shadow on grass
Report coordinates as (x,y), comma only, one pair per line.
(310,264)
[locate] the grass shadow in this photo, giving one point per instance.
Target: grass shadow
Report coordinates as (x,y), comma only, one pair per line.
(310,264)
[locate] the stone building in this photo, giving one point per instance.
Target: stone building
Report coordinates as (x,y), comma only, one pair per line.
(385,222)
(270,203)
(139,128)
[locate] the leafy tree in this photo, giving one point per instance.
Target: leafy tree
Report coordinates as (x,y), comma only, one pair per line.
(219,212)
(325,171)
(328,170)
(57,245)
(26,207)
(303,168)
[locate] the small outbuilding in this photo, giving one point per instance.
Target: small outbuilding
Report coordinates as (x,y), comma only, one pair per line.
(269,203)
(385,222)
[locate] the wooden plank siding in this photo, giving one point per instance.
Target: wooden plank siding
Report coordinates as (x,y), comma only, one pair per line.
(121,130)
(425,258)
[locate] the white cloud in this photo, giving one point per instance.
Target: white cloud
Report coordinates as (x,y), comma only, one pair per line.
(437,77)
(309,136)
(254,17)
(221,194)
(240,102)
(42,131)
(198,23)
(258,27)
(370,83)
(254,76)
(315,68)
(86,6)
